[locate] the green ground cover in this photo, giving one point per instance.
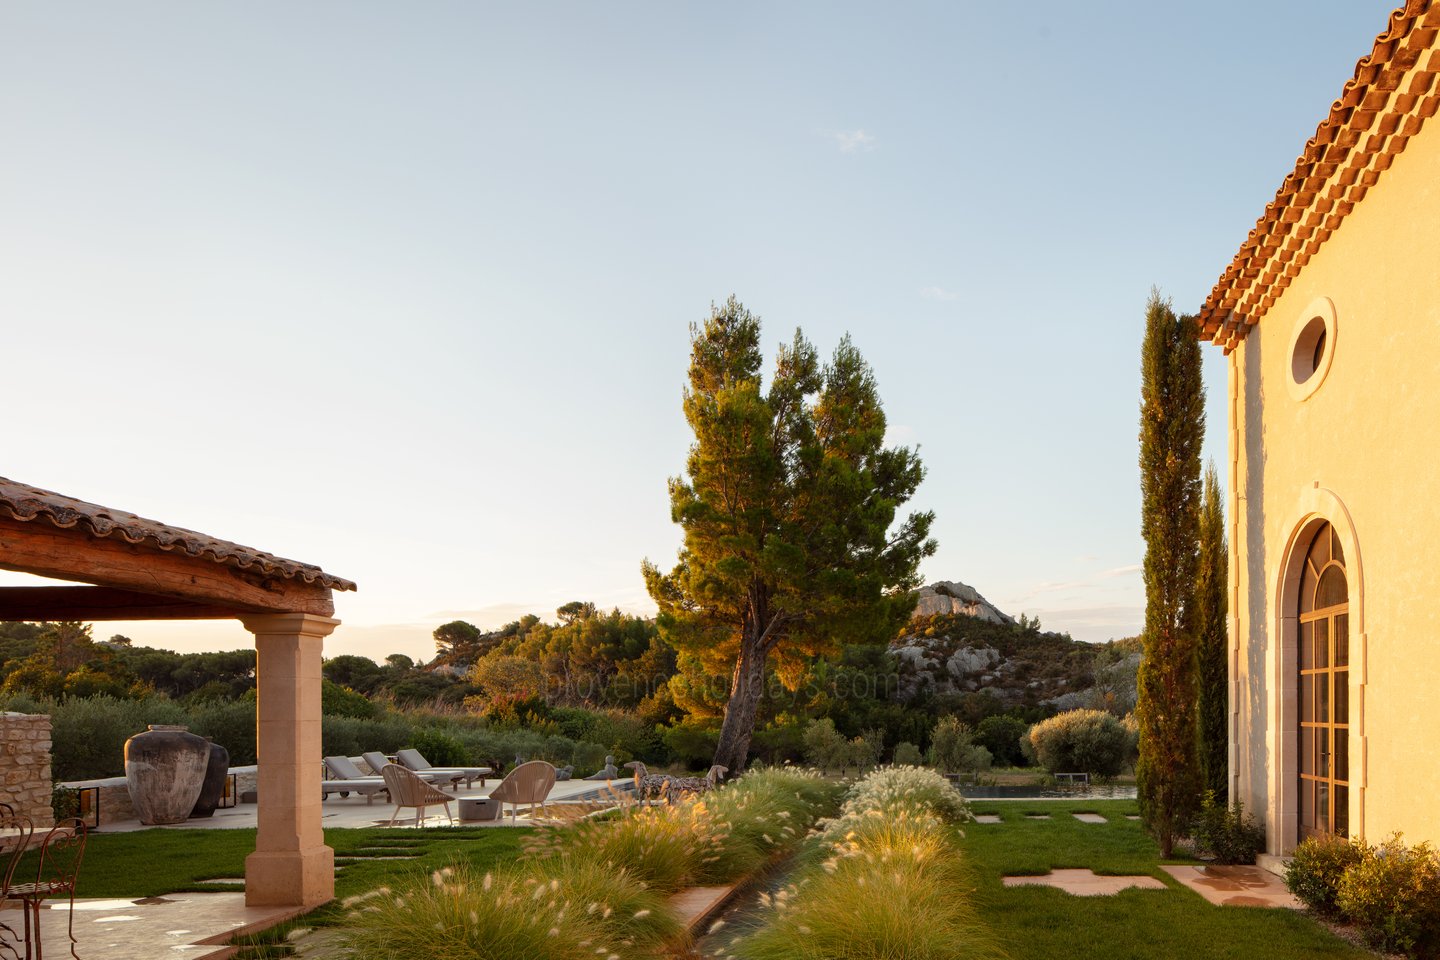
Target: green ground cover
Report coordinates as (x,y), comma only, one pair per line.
(148,863)
(1031,923)
(1037,923)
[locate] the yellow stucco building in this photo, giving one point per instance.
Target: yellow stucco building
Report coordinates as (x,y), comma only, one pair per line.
(1330,317)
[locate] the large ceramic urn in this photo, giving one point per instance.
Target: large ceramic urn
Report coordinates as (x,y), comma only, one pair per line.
(165,769)
(212,790)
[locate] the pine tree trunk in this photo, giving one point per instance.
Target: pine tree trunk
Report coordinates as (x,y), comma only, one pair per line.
(746,688)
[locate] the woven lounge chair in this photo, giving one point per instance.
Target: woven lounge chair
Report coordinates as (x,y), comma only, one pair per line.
(407,789)
(416,762)
(528,783)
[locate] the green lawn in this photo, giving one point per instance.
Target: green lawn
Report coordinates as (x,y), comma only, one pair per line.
(1037,923)
(1033,923)
(148,863)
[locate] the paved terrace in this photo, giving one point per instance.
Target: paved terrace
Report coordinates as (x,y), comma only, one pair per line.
(353,811)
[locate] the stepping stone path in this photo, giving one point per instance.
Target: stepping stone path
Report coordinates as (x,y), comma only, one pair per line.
(1090,818)
(1132,816)
(1037,816)
(1085,883)
(1236,886)
(988,818)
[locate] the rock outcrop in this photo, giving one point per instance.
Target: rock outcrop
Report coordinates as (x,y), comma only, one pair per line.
(951,596)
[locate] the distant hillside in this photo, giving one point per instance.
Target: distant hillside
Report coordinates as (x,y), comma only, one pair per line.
(957,651)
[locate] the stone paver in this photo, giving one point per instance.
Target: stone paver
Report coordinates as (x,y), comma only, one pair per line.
(988,818)
(1236,886)
(1090,818)
(1085,883)
(1037,816)
(183,926)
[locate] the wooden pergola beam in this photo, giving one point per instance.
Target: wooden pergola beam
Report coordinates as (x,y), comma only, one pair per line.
(39,547)
(104,603)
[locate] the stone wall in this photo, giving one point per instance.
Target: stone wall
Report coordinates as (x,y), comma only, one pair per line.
(25,766)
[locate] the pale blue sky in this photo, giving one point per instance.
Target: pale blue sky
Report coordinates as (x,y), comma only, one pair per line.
(403,289)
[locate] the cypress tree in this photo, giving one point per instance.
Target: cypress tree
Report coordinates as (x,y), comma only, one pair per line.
(1211,647)
(1172,426)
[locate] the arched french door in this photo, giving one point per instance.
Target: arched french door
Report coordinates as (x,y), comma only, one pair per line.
(1324,689)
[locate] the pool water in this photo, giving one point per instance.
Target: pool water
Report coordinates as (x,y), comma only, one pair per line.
(1031,792)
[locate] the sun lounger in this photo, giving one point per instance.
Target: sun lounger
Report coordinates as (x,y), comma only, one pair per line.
(344,778)
(412,760)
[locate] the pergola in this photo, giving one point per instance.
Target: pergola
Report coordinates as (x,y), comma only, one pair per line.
(138,569)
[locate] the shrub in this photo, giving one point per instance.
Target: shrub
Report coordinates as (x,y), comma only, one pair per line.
(1315,869)
(691,744)
(1001,735)
(894,792)
(89,736)
(1080,741)
(350,737)
(824,747)
(866,749)
(953,749)
(587,758)
(339,701)
(1227,834)
(626,736)
(230,724)
(907,755)
(441,749)
(1393,894)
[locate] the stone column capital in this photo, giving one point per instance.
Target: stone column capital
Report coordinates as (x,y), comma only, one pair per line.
(289,624)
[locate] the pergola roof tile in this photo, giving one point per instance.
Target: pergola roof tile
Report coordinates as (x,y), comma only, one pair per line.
(27,503)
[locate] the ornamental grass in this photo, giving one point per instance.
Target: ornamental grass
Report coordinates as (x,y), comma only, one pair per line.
(505,915)
(889,882)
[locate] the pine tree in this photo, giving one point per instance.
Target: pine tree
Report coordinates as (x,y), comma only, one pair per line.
(1172,426)
(788,510)
(1211,647)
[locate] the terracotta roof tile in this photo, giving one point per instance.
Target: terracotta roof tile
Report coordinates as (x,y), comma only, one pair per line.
(1380,108)
(32,503)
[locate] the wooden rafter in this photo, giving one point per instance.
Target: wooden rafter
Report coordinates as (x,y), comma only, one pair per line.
(39,547)
(103,603)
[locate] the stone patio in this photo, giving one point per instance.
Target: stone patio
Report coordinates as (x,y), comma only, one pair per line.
(185,926)
(353,811)
(1236,886)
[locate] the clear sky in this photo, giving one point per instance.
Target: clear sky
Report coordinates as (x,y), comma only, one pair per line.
(404,289)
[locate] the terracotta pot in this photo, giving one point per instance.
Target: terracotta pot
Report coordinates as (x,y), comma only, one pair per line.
(212,790)
(165,768)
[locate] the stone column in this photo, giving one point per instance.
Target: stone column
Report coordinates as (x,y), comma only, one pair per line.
(291,865)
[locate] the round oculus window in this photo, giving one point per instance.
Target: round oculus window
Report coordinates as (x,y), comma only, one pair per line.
(1312,346)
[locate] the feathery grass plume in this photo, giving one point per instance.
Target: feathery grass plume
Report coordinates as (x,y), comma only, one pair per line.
(534,911)
(892,884)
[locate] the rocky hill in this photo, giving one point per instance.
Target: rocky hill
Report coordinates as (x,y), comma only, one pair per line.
(951,596)
(958,643)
